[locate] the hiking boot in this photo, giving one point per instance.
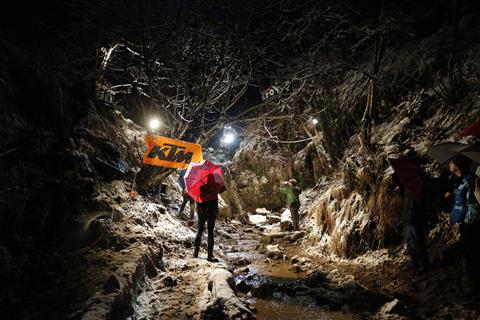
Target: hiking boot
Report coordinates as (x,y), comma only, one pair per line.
(212,259)
(195,252)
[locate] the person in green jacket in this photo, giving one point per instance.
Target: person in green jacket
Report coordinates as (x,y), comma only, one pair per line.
(290,189)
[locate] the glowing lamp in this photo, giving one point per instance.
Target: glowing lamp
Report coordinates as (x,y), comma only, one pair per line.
(229,138)
(154,123)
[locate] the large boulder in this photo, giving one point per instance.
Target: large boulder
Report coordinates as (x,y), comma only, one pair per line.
(286,223)
(257,219)
(274,251)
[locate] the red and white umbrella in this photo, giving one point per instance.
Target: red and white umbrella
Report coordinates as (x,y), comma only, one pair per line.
(204,181)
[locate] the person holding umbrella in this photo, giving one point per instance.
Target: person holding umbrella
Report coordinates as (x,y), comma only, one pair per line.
(204,181)
(465,211)
(458,157)
(465,207)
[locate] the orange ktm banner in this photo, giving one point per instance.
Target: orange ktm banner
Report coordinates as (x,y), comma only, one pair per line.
(171,153)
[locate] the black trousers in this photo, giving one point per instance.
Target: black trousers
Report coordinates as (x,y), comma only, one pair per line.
(207,212)
(470,238)
(294,207)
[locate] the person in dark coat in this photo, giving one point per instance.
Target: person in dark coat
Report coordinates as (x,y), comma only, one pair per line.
(207,212)
(414,224)
(465,211)
(465,206)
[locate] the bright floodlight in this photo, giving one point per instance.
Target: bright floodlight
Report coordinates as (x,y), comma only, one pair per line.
(229,138)
(154,124)
(314,121)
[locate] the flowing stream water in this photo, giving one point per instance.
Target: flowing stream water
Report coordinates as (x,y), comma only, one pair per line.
(280,305)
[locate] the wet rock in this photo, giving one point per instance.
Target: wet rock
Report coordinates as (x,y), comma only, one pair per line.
(112,284)
(261,248)
(257,219)
(243,287)
(297,268)
(225,234)
(315,279)
(262,211)
(296,236)
(240,261)
(300,260)
(301,290)
(273,219)
(327,297)
(264,290)
(231,249)
(390,308)
(234,222)
(334,276)
(273,251)
(286,223)
(169,281)
(118,213)
(267,239)
(241,270)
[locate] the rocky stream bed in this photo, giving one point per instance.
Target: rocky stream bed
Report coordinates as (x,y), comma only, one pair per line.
(262,274)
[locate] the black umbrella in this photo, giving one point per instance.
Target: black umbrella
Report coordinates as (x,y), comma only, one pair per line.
(472,153)
(444,152)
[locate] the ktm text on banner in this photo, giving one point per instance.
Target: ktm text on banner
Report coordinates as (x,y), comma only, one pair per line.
(171,153)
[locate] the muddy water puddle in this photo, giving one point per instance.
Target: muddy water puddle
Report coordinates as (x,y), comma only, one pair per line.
(291,309)
(282,304)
